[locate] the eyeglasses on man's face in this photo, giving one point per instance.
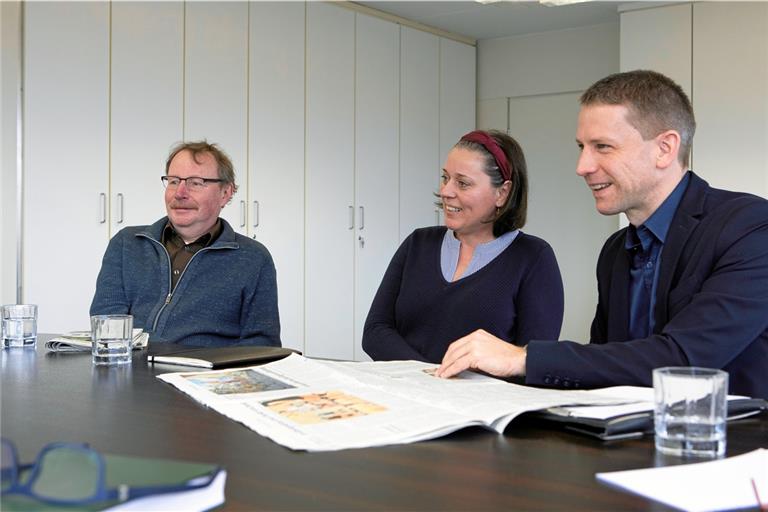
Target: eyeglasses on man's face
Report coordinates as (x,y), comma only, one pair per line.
(194,183)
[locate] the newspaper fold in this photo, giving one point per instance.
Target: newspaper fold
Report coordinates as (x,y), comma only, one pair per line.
(80,341)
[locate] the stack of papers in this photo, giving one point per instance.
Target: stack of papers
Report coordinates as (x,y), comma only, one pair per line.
(80,341)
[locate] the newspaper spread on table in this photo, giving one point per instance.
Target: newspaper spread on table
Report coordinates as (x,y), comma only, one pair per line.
(312,405)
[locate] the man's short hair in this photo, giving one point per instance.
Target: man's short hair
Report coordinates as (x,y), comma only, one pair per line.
(225,169)
(655,104)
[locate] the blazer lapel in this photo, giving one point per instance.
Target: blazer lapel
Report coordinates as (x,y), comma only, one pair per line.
(618,319)
(683,224)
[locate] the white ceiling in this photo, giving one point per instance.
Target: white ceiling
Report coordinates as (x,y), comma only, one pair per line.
(506,18)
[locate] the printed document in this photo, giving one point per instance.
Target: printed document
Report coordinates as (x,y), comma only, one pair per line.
(305,404)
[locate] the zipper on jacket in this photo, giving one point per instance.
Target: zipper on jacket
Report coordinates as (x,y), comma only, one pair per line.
(169,297)
(170,281)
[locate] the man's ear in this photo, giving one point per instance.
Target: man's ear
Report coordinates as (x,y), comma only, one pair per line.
(227,193)
(668,148)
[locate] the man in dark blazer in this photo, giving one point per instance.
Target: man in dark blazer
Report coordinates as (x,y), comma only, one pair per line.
(685,284)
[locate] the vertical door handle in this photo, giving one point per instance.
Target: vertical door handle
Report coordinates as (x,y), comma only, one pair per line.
(102,208)
(351,217)
(362,217)
(120,200)
(437,216)
(242,214)
(255,214)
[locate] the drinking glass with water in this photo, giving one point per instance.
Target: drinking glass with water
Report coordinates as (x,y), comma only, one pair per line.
(691,410)
(19,325)
(111,337)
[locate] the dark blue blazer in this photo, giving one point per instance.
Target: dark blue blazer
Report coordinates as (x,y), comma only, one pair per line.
(711,303)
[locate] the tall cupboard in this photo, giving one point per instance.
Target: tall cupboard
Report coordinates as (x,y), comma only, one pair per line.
(336,122)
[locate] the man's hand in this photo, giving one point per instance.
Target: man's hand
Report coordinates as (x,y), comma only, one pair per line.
(481,350)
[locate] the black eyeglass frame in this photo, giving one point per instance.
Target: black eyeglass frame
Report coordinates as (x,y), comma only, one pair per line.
(205,181)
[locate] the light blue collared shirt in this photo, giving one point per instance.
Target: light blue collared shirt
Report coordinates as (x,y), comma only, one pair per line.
(483,255)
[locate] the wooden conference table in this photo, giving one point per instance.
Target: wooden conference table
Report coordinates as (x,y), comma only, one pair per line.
(61,397)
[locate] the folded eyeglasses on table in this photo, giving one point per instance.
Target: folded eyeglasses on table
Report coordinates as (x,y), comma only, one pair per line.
(73,474)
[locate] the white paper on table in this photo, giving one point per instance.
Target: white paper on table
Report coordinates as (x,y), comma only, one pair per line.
(705,486)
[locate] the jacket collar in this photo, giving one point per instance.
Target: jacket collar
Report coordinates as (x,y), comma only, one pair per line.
(227,239)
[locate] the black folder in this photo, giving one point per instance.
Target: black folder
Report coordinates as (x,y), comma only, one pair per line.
(221,357)
(636,424)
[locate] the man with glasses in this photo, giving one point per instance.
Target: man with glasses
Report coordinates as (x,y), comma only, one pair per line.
(189,279)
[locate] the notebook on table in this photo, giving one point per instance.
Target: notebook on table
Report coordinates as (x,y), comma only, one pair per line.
(219,357)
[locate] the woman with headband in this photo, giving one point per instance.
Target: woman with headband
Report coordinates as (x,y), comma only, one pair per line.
(479,271)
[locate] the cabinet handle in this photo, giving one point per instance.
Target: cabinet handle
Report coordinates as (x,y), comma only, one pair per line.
(120,208)
(351,217)
(255,214)
(437,216)
(102,208)
(362,217)
(242,214)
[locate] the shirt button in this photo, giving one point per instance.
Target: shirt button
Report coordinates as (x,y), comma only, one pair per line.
(649,265)
(176,272)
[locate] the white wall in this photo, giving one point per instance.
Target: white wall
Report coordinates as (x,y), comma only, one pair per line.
(730,94)
(538,78)
(9,80)
(546,62)
(718,53)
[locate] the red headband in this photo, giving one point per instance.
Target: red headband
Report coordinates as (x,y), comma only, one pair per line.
(485,140)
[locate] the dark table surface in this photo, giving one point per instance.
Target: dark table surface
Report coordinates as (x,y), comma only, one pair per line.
(125,410)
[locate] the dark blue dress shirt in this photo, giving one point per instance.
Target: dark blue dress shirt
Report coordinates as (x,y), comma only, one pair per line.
(644,244)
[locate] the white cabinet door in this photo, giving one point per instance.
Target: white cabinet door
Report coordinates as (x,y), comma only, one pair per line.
(147,106)
(276,148)
(730,94)
(216,88)
(419,129)
(377,80)
(457,92)
(66,158)
(329,181)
